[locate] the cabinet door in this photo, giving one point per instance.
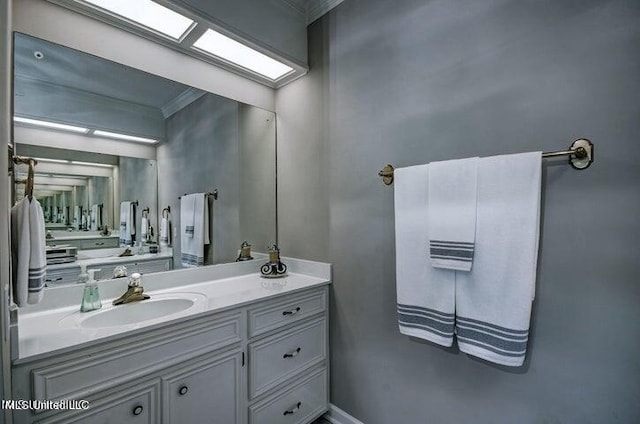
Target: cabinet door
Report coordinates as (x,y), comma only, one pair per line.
(129,405)
(208,391)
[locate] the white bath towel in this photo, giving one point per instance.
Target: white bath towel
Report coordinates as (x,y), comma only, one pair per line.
(28,251)
(451,213)
(426,294)
(194,228)
(165,231)
(38,254)
(493,301)
(83,221)
(127,223)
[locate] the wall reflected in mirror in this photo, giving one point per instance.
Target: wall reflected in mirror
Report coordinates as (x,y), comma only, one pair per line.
(131,136)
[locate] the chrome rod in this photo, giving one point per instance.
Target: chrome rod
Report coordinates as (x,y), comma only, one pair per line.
(579,153)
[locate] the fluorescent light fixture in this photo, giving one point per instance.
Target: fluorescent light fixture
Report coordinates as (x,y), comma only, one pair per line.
(224,47)
(148,14)
(51,160)
(48,124)
(102,165)
(126,137)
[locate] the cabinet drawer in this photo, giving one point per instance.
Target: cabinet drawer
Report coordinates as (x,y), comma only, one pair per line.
(62,276)
(142,267)
(136,405)
(277,314)
(303,402)
(276,359)
(101,243)
(78,378)
(206,391)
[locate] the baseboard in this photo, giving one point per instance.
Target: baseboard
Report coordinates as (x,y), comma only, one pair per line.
(338,416)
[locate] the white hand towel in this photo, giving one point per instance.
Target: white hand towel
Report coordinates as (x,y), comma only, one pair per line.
(28,251)
(38,255)
(451,213)
(165,231)
(127,223)
(76,217)
(188,215)
(94,217)
(144,227)
(493,301)
(426,295)
(195,209)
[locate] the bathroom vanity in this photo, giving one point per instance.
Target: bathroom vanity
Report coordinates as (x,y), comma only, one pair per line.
(216,344)
(146,263)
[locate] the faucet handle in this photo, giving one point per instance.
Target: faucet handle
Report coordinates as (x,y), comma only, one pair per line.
(135,279)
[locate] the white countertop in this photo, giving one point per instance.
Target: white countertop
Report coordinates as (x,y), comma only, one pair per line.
(44,331)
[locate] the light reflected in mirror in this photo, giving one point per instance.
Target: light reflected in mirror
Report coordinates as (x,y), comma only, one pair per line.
(204,143)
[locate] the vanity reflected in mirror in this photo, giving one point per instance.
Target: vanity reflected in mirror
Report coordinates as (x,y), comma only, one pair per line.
(104,133)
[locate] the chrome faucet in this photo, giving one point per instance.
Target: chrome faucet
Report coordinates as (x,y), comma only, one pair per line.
(134,293)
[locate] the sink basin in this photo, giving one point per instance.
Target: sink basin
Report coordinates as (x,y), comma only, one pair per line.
(135,312)
(160,307)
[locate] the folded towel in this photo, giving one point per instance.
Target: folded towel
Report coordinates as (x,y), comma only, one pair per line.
(493,301)
(83,221)
(127,223)
(194,213)
(76,217)
(451,213)
(165,231)
(426,295)
(28,251)
(144,227)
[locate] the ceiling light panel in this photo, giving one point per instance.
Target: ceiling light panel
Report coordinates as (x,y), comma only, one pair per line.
(102,165)
(219,45)
(48,124)
(123,136)
(148,14)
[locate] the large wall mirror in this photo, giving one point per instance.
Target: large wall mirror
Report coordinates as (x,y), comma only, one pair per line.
(105,135)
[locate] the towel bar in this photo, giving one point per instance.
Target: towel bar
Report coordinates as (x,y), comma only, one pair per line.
(214,193)
(580,157)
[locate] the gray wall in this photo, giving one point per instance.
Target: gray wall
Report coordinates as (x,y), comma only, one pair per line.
(138,180)
(257,175)
(217,143)
(417,81)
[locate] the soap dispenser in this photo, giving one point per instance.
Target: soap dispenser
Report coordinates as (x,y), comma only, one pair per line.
(91,296)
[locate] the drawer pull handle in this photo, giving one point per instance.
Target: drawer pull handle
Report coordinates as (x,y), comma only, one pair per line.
(292,353)
(138,410)
(183,390)
(50,280)
(293,410)
(100,244)
(292,311)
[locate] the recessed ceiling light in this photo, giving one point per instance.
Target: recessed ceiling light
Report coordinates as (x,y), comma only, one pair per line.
(103,165)
(124,136)
(226,48)
(48,124)
(149,14)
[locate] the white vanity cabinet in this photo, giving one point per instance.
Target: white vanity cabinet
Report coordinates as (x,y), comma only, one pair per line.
(206,391)
(85,243)
(258,363)
(68,273)
(144,266)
